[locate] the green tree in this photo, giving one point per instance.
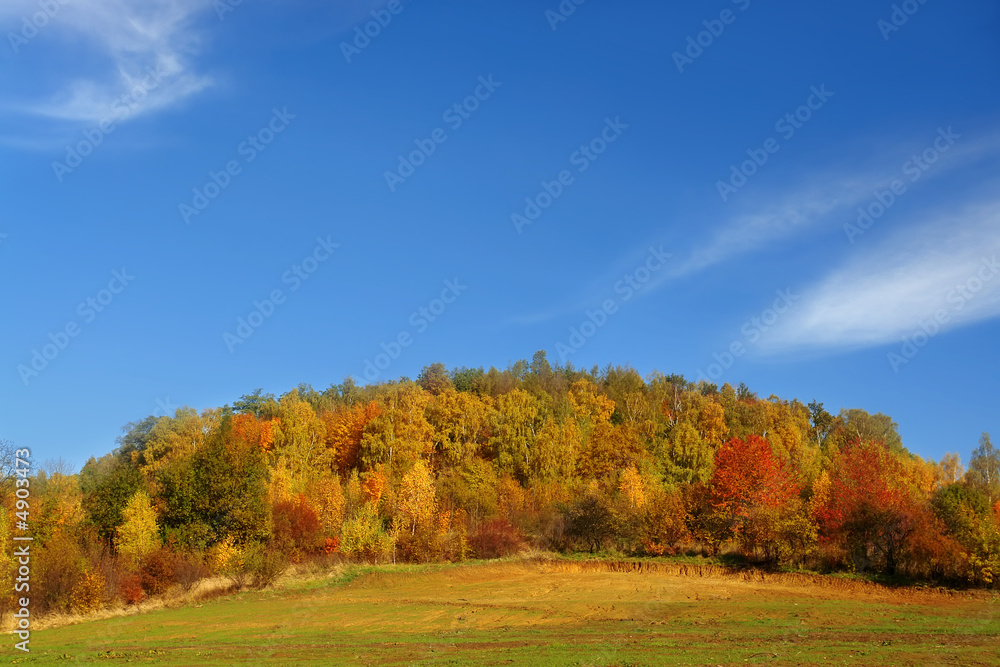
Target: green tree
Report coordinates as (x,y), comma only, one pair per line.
(219,490)
(107,485)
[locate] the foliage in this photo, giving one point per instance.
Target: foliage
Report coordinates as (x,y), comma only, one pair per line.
(107,486)
(750,489)
(664,523)
(8,565)
(416,496)
(496,538)
(88,593)
(296,528)
(138,534)
(220,489)
(58,568)
(158,571)
(870,508)
(364,537)
(130,589)
(590,521)
(481,462)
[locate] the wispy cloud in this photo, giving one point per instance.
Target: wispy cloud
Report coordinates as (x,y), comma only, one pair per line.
(944,265)
(824,200)
(137,37)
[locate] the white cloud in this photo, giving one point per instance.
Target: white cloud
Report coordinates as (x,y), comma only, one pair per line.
(946,264)
(137,37)
(826,198)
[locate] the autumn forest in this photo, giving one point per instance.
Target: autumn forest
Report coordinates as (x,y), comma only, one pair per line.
(468,463)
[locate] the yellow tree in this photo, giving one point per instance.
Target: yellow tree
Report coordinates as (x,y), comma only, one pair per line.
(416,496)
(690,457)
(632,488)
(327,496)
(950,469)
(400,433)
(172,438)
(300,440)
(712,424)
(789,432)
(590,407)
(609,450)
(515,425)
(139,533)
(460,422)
(556,450)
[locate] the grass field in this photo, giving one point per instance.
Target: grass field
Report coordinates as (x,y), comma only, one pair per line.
(547,612)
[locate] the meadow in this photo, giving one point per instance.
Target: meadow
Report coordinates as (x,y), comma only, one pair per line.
(543,611)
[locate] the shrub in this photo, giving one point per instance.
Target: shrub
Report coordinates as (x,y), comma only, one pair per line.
(495,539)
(224,557)
(189,569)
(664,524)
(88,594)
(263,565)
(158,571)
(60,567)
(590,521)
(130,589)
(364,536)
(296,527)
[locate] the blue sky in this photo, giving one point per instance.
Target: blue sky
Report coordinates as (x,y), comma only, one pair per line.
(697,172)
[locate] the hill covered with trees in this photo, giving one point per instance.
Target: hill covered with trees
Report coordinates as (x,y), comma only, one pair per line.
(474,463)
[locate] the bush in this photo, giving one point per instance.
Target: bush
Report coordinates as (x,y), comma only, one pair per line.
(158,571)
(664,524)
(60,567)
(130,589)
(189,569)
(589,520)
(495,539)
(296,527)
(88,594)
(364,537)
(263,565)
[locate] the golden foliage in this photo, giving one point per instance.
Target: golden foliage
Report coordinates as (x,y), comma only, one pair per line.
(88,594)
(632,488)
(139,533)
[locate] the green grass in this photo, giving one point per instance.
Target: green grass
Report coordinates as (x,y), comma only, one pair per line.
(532,613)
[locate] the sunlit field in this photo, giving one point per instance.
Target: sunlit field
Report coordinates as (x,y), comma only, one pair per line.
(537,612)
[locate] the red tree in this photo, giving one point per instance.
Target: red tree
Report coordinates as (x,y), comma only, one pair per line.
(870,510)
(749,477)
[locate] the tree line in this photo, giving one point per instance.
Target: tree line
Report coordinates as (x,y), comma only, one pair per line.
(470,463)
